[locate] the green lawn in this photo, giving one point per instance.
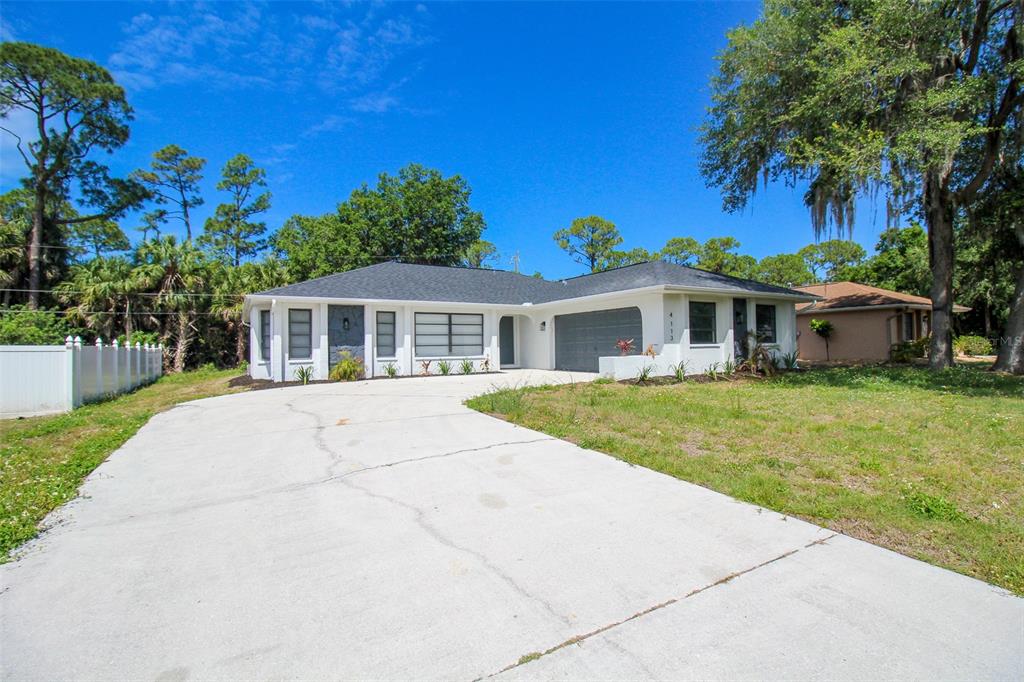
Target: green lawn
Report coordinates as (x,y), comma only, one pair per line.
(43,460)
(930,465)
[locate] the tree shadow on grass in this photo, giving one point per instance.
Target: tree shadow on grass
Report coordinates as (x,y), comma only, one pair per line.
(960,380)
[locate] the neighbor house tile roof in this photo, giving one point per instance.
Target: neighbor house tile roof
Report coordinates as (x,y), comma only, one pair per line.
(410,282)
(841,295)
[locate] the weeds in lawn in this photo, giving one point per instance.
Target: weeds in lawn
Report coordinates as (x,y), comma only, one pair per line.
(931,506)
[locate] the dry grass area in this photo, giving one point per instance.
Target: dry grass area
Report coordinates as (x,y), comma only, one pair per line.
(930,465)
(43,460)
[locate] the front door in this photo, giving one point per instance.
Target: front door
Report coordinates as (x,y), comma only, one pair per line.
(345,331)
(507,340)
(739,327)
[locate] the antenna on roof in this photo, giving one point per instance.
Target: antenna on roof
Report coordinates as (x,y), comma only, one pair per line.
(515,262)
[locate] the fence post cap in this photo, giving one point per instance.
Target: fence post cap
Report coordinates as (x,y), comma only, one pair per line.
(78,342)
(138,345)
(99,342)
(68,342)
(115,344)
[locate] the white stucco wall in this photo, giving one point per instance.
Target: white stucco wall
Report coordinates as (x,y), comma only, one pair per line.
(664,315)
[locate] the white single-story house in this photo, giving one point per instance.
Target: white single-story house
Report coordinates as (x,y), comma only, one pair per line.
(401,314)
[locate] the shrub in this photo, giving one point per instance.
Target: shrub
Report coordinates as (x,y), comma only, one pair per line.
(466,366)
(908,350)
(789,360)
(970,344)
(645,374)
(444,367)
(21,326)
(304,374)
(679,371)
(347,368)
(824,329)
(391,370)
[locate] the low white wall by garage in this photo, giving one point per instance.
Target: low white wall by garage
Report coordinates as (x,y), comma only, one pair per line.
(38,380)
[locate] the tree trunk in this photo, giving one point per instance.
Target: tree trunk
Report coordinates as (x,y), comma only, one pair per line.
(938,205)
(1011,347)
(35,275)
(128,327)
(240,343)
(184,340)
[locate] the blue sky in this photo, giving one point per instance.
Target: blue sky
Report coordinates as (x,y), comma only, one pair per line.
(550,111)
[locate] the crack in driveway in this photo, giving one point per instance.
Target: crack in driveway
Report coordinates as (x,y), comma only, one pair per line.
(533,656)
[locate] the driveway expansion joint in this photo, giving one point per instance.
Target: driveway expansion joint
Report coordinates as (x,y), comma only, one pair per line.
(578,639)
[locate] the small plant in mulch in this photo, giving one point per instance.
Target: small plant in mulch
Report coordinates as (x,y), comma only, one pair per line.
(425,367)
(391,370)
(444,367)
(347,368)
(304,374)
(466,366)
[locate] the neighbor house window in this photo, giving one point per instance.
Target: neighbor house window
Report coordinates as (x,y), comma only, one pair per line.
(765,323)
(300,333)
(449,334)
(385,334)
(265,334)
(702,322)
(908,327)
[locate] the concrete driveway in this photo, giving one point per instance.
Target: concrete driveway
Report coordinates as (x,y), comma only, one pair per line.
(383,530)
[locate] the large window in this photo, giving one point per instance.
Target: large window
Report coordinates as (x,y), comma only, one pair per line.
(265,334)
(300,333)
(385,334)
(766,323)
(702,322)
(449,334)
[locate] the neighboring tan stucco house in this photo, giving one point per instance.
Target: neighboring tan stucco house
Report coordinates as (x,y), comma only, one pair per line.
(866,321)
(403,314)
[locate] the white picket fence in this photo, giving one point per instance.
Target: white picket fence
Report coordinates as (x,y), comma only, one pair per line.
(37,380)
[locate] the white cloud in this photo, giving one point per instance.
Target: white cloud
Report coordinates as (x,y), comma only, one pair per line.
(225,45)
(329,124)
(374,102)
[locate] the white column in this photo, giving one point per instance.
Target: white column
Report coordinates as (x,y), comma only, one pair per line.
(323,366)
(139,377)
(276,343)
(493,349)
(369,328)
(407,341)
(255,339)
(100,386)
(117,367)
(70,364)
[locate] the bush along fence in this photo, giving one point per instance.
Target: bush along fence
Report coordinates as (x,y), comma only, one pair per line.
(36,380)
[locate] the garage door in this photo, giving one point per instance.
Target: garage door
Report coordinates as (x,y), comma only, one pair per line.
(582,338)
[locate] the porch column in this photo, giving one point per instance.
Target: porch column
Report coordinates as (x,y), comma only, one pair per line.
(493,347)
(407,341)
(369,329)
(277,322)
(255,339)
(323,363)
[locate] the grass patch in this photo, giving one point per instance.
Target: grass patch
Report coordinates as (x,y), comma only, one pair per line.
(927,464)
(43,460)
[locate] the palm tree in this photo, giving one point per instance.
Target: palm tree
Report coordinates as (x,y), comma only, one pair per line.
(177,274)
(97,292)
(231,284)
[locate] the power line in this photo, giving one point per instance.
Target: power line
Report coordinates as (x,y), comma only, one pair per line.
(116,295)
(104,312)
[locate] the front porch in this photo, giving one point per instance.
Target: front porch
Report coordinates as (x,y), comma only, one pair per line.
(403,339)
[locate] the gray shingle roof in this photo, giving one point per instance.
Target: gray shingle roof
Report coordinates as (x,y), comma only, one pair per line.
(409,282)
